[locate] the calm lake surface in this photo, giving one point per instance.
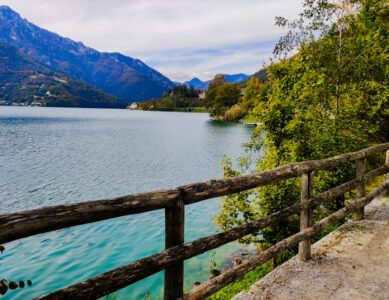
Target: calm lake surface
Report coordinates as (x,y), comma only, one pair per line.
(52,156)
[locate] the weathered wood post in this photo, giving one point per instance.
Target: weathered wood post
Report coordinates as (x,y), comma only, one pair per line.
(360,191)
(306,215)
(386,177)
(174,235)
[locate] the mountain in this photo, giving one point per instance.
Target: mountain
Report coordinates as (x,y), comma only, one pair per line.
(203,85)
(197,84)
(126,78)
(24,81)
(261,75)
(236,78)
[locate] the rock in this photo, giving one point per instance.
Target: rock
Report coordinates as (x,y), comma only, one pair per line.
(214,273)
(238,261)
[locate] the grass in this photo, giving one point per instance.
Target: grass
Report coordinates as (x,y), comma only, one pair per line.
(200,109)
(242,284)
(326,231)
(179,109)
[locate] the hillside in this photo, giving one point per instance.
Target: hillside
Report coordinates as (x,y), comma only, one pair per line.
(126,78)
(25,81)
(203,85)
(261,75)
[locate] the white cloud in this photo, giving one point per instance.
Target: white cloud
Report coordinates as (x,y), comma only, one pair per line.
(143,28)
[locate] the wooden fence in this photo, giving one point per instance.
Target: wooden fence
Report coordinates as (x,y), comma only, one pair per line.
(27,223)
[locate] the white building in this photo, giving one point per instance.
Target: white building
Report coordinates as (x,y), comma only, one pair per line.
(202,95)
(133,106)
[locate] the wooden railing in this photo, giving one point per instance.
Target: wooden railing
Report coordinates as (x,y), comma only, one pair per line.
(27,223)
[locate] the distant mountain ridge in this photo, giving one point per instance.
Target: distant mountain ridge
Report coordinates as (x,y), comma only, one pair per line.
(203,85)
(197,83)
(261,75)
(127,78)
(24,81)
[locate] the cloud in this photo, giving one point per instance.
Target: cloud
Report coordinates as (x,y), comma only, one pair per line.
(175,36)
(205,63)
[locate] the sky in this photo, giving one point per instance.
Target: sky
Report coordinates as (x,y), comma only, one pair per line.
(180,38)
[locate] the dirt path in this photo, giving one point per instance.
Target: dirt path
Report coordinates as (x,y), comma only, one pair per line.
(350,263)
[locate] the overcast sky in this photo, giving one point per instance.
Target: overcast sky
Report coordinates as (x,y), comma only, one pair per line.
(180,38)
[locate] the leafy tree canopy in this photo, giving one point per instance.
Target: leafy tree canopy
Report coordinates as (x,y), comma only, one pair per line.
(221,95)
(330,97)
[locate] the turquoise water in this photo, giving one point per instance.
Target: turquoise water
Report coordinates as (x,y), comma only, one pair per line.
(50,156)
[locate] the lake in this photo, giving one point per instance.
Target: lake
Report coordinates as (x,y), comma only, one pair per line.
(52,156)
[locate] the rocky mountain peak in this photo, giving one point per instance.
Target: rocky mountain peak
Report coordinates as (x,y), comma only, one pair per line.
(117,74)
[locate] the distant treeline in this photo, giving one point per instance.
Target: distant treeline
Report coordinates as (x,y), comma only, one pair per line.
(179,98)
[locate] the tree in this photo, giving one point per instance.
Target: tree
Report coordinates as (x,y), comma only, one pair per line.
(180,90)
(222,97)
(218,80)
(331,97)
(252,94)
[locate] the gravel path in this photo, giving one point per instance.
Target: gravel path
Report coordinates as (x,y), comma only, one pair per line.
(350,263)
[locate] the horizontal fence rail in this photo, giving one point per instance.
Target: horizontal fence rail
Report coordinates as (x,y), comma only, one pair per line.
(217,283)
(126,275)
(27,223)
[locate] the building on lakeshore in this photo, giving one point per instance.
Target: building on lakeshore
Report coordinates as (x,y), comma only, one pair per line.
(133,106)
(202,95)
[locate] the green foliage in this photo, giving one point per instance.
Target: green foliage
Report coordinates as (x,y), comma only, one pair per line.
(199,109)
(112,296)
(183,91)
(180,98)
(217,81)
(238,208)
(326,231)
(254,94)
(261,75)
(234,113)
(331,97)
(213,261)
(221,97)
(243,283)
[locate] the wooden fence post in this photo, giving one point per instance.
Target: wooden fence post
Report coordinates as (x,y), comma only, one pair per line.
(360,191)
(174,235)
(306,215)
(386,176)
